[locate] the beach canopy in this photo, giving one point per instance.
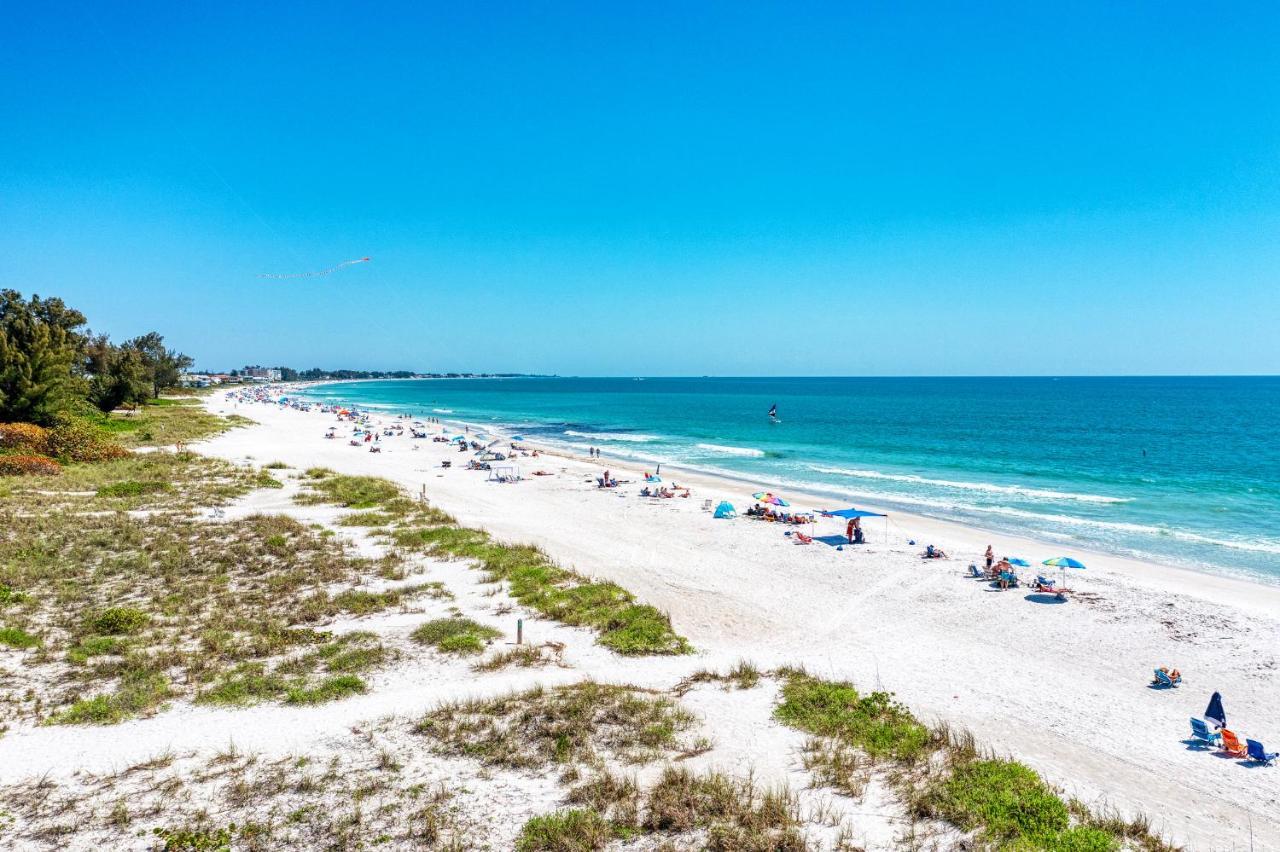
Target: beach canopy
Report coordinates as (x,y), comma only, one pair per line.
(1214,712)
(517,437)
(850,513)
(725,510)
(1063,562)
(461,438)
(770,498)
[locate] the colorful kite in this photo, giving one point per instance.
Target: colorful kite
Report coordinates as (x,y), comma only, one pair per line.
(317,274)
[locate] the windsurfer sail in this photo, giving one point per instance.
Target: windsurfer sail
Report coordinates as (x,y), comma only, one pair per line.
(773,411)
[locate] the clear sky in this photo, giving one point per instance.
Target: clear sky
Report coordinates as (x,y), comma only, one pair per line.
(680,188)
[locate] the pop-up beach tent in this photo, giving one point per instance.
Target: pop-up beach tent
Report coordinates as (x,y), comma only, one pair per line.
(725,510)
(851,513)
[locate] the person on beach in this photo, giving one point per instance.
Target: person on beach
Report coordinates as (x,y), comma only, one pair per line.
(848,530)
(990,557)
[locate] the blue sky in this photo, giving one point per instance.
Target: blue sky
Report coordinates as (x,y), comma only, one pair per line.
(674,189)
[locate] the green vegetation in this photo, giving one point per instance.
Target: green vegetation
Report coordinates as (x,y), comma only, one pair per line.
(166,425)
(132,488)
(196,839)
(12,637)
(118,620)
(625,626)
(353,492)
(455,635)
(733,815)
(124,598)
(1010,805)
(139,691)
(874,723)
(565,831)
(325,673)
(567,724)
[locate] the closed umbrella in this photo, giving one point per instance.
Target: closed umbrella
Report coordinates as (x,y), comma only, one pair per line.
(1214,712)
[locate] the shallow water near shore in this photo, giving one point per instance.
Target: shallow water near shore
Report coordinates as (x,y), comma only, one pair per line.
(1183,470)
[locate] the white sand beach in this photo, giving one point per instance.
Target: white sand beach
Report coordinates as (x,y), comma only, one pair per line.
(1060,686)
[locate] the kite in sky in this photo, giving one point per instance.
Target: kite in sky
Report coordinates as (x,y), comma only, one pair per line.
(316,274)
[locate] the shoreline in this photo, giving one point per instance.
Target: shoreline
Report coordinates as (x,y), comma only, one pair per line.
(1240,585)
(1064,688)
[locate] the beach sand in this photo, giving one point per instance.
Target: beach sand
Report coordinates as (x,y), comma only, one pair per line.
(1062,687)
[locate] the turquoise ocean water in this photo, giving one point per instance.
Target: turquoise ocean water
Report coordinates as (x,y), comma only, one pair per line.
(1184,470)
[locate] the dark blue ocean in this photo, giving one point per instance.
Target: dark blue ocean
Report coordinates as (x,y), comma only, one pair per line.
(1185,470)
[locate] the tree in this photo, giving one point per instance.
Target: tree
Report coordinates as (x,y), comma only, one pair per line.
(116,374)
(163,366)
(40,347)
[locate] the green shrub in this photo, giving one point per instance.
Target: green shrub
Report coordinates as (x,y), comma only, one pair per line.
(1010,805)
(200,839)
(564,831)
(118,620)
(330,689)
(875,723)
(94,646)
(75,439)
(132,488)
(15,638)
(456,635)
(138,691)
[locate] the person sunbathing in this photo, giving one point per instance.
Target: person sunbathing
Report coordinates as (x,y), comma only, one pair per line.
(931,552)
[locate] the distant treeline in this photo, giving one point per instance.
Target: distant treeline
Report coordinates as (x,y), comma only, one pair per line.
(289,374)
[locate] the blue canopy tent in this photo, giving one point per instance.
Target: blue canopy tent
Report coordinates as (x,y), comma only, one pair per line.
(852,513)
(725,510)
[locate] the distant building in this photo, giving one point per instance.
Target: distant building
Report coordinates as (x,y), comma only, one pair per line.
(262,374)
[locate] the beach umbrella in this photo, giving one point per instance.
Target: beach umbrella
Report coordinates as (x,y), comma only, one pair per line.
(770,498)
(1214,712)
(1020,562)
(1062,563)
(517,437)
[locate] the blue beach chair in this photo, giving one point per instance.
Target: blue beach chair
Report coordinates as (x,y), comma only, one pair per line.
(1259,754)
(1164,680)
(1202,735)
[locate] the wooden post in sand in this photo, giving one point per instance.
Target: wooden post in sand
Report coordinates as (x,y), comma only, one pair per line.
(519,631)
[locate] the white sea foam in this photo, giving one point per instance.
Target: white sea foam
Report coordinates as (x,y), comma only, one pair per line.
(613,436)
(732,451)
(443,410)
(989,487)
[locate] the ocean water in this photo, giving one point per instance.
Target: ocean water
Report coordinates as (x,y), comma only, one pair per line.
(1183,470)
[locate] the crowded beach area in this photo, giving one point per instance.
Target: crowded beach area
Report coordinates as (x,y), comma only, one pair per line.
(1067,682)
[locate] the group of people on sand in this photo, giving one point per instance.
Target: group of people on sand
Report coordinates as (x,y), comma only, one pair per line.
(673,491)
(765,513)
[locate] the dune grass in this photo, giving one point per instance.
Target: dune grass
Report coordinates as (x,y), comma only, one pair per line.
(13,637)
(563,725)
(625,626)
(456,635)
(565,831)
(874,723)
(165,422)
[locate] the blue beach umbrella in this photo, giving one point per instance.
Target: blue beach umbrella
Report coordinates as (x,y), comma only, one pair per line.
(1020,562)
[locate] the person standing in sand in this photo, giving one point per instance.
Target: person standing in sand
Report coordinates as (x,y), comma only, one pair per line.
(990,557)
(848,529)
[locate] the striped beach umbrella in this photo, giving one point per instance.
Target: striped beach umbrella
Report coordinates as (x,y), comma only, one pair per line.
(770,498)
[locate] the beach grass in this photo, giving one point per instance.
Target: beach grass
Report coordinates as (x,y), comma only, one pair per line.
(874,723)
(166,422)
(568,724)
(625,626)
(456,635)
(565,831)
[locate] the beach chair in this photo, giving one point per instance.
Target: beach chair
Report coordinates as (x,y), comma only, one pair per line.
(1259,754)
(1163,679)
(975,572)
(801,538)
(1202,735)
(1231,744)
